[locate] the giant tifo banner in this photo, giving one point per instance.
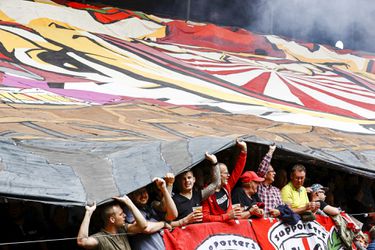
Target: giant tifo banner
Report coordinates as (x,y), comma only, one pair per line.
(83,54)
(256,234)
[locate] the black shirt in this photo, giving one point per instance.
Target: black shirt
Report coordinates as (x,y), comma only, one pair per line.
(239,196)
(222,199)
(323,204)
(184,205)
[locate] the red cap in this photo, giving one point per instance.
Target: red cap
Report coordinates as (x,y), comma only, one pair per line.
(249,176)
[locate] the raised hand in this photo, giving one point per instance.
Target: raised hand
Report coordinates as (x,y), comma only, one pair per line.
(169,179)
(211,157)
(272,148)
(91,207)
(241,144)
(160,183)
(124,199)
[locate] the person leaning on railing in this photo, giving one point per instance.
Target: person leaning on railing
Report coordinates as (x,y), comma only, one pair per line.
(318,194)
(246,195)
(294,194)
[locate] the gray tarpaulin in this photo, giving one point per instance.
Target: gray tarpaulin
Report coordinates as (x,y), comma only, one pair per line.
(74,172)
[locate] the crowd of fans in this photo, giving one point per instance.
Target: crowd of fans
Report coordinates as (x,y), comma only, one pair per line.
(223,193)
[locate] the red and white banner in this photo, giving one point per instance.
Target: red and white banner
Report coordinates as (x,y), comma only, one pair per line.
(213,235)
(256,234)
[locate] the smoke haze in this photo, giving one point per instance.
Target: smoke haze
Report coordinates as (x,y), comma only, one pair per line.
(321,21)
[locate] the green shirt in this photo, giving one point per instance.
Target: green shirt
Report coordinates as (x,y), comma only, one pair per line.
(109,241)
(293,197)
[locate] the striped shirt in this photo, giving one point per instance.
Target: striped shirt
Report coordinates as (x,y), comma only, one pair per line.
(269,194)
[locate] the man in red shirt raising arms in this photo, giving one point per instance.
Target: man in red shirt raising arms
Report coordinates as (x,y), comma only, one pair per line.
(218,206)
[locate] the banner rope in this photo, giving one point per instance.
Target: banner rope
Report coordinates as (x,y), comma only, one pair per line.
(57,239)
(363,214)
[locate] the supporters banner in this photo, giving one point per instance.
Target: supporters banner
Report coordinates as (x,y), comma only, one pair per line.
(256,234)
(214,235)
(318,234)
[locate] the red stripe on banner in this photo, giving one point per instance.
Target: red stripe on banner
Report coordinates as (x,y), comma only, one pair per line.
(222,65)
(305,243)
(325,221)
(331,79)
(217,64)
(192,60)
(112,16)
(259,83)
(226,72)
(347,87)
(358,79)
(364,105)
(312,103)
(2,56)
(352,89)
(76,5)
